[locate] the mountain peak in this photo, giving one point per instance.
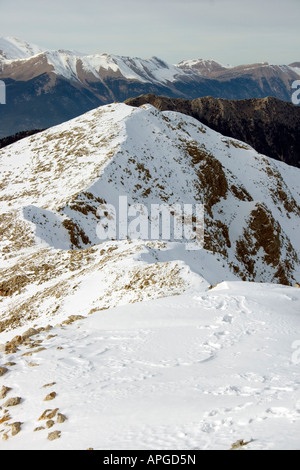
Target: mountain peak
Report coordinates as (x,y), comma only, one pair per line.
(13,48)
(202,66)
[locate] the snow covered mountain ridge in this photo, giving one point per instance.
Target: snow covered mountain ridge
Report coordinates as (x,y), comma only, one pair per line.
(72,65)
(77,66)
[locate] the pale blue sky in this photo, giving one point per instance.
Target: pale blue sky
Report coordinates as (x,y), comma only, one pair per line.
(229,31)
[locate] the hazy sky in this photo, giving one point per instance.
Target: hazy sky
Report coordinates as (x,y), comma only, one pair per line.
(229,31)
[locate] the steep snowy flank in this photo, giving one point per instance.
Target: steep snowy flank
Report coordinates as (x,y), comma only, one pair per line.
(13,49)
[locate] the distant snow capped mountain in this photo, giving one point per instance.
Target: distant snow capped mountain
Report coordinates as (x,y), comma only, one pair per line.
(70,66)
(74,65)
(206,68)
(12,48)
(67,64)
(49,87)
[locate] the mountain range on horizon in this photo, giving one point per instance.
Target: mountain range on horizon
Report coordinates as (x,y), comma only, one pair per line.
(45,88)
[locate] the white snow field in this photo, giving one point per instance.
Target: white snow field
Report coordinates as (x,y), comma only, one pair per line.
(195,371)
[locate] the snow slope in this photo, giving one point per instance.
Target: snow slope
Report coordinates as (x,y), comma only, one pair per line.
(14,48)
(196,371)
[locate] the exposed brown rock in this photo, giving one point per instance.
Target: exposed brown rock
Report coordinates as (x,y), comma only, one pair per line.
(48,414)
(50,396)
(61,418)
(72,319)
(12,402)
(12,345)
(239,444)
(49,385)
(15,284)
(77,235)
(50,423)
(54,435)
(39,350)
(15,428)
(3,370)
(212,179)
(264,234)
(29,333)
(3,392)
(267,233)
